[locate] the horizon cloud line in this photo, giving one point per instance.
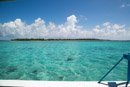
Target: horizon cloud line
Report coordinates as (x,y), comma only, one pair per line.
(69,29)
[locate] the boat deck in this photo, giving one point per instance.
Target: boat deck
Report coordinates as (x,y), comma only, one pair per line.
(25,83)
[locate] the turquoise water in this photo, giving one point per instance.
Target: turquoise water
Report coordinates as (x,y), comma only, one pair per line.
(62,60)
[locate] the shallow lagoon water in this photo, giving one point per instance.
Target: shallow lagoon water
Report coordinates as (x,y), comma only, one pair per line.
(62,60)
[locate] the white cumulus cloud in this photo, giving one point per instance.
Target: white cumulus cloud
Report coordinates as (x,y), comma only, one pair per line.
(69,29)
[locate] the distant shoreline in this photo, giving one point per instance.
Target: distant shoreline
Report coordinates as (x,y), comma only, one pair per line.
(81,39)
(32,39)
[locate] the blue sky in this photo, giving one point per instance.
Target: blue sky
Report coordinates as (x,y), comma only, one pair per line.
(96,11)
(69,19)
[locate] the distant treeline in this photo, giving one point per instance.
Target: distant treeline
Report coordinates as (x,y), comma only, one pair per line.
(42,39)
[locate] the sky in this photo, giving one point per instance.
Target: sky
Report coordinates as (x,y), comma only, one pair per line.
(103,19)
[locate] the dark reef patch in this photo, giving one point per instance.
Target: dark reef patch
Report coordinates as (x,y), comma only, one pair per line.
(61,78)
(11,69)
(69,59)
(35,71)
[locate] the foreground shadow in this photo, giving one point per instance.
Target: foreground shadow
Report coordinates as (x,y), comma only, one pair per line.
(114,84)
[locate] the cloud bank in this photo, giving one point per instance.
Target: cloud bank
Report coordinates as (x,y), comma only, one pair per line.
(69,29)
